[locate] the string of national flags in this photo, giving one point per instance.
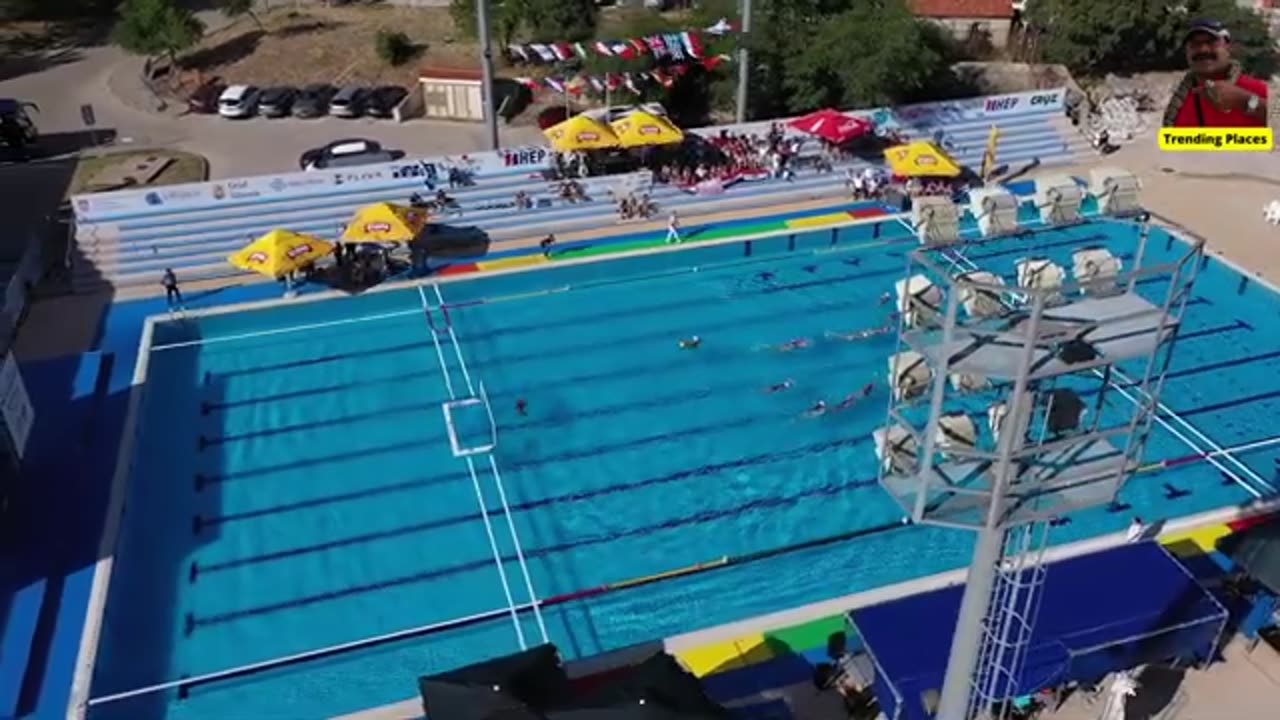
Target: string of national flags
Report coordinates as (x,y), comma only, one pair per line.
(609,82)
(675,47)
(678,52)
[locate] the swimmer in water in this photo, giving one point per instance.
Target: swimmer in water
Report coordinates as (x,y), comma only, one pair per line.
(815,410)
(868,389)
(522,407)
(780,386)
(862,334)
(690,343)
(849,401)
(793,344)
(885,298)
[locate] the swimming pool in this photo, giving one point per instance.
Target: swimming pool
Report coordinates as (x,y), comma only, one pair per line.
(294,483)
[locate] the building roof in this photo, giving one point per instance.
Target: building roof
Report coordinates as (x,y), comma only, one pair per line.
(991,9)
(443,73)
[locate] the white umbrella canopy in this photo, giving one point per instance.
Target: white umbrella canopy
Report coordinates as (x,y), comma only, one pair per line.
(1122,687)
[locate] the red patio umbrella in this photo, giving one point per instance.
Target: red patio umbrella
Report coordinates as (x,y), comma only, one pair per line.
(831,125)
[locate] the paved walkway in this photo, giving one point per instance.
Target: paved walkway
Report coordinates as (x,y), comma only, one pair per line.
(1216,197)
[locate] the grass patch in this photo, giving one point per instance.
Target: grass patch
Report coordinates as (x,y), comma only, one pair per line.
(185,168)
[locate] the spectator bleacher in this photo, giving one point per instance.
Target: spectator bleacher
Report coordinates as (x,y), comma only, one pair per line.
(132,250)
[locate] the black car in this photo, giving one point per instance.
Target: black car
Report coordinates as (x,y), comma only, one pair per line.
(313,101)
(275,102)
(347,153)
(382,101)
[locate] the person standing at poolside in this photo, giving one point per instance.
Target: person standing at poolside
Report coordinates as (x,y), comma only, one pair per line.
(673,227)
(546,244)
(172,293)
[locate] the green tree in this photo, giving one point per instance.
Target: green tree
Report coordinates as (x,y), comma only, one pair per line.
(156,27)
(533,20)
(240,8)
(845,53)
(872,54)
(1101,36)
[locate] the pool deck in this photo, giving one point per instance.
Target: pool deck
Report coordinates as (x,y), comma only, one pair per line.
(738,646)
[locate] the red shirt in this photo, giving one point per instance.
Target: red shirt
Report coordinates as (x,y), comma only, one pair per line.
(1213,117)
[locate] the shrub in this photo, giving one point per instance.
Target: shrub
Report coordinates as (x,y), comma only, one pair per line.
(394,48)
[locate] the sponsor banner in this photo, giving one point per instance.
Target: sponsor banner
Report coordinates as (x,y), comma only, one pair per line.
(951,111)
(430,173)
(15,405)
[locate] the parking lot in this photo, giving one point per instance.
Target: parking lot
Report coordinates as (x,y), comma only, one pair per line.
(108,79)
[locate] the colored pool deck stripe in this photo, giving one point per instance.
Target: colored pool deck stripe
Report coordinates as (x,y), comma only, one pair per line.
(736,668)
(511,262)
(644,240)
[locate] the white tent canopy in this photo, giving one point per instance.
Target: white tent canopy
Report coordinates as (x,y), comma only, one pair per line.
(895,447)
(1095,267)
(956,430)
(981,302)
(917,297)
(1040,273)
(909,374)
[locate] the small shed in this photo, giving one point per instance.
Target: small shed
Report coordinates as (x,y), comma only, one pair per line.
(452,93)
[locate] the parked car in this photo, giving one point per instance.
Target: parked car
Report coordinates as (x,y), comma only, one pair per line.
(383,101)
(276,102)
(349,102)
(204,99)
(313,101)
(238,101)
(346,153)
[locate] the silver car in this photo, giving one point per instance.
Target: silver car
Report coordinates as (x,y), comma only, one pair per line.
(349,102)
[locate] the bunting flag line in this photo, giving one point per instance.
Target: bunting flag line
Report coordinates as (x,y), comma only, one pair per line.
(634,81)
(673,46)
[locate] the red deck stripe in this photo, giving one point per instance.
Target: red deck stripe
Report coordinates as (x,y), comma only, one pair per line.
(459,269)
(868,212)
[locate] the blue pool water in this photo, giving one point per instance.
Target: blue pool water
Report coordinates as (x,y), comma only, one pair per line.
(293,485)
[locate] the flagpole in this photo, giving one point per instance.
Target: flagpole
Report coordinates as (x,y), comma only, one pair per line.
(486,72)
(744,72)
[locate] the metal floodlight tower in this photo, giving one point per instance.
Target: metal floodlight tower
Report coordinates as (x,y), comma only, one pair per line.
(1018,398)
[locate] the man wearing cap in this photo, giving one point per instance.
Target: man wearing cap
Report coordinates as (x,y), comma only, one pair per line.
(1215,93)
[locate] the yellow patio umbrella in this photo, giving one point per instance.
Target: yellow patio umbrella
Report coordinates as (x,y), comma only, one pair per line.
(640,129)
(385,223)
(581,133)
(280,252)
(920,158)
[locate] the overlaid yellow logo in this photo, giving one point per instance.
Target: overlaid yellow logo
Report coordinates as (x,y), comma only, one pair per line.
(1215,139)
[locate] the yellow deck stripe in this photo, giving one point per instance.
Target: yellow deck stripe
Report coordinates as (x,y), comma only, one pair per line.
(1203,539)
(818,220)
(721,656)
(511,262)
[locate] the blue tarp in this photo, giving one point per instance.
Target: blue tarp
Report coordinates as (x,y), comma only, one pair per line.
(1099,613)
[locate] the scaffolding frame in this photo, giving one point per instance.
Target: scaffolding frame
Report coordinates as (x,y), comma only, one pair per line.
(1010,489)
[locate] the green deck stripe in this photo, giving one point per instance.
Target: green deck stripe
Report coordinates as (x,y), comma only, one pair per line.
(659,237)
(808,635)
(608,249)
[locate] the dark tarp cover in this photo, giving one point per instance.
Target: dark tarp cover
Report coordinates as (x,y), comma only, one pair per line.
(1101,612)
(443,700)
(533,679)
(633,711)
(1257,551)
(661,682)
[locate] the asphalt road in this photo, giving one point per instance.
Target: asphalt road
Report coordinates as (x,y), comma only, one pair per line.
(100,76)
